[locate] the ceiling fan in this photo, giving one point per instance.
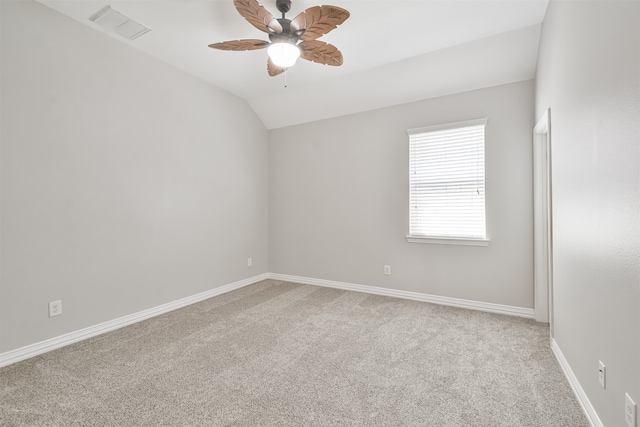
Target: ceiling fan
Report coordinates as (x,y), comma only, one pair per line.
(284,34)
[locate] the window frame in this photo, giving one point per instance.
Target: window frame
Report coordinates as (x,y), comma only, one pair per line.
(450,240)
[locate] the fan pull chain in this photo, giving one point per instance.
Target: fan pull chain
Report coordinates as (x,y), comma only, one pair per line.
(285,77)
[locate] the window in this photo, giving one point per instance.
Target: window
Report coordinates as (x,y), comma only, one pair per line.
(446,184)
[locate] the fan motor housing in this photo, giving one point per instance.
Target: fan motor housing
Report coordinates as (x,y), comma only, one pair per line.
(286,35)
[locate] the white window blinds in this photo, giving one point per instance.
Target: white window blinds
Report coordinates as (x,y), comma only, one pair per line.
(447,181)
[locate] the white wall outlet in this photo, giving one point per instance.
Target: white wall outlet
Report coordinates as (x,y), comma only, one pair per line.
(630,411)
(249,262)
(55,308)
(602,374)
(387,270)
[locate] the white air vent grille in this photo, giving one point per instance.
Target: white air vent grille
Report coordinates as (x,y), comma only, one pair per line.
(113,21)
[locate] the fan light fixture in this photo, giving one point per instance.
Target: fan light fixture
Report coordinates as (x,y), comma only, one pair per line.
(283,54)
(289,39)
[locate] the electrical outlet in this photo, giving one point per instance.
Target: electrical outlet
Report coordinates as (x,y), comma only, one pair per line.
(630,410)
(55,308)
(249,262)
(387,270)
(602,374)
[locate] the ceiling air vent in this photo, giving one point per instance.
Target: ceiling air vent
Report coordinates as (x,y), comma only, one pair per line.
(113,21)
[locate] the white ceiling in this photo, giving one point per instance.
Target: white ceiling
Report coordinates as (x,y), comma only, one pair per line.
(395,51)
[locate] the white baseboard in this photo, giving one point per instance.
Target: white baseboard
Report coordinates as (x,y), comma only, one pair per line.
(588,409)
(32,350)
(454,302)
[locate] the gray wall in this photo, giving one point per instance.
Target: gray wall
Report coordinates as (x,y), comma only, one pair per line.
(338,200)
(589,75)
(126,183)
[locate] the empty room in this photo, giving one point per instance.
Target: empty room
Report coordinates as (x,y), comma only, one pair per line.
(284,213)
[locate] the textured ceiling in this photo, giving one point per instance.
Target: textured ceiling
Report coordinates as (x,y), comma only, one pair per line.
(394,51)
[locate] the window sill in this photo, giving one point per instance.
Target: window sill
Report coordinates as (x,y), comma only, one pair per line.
(448,241)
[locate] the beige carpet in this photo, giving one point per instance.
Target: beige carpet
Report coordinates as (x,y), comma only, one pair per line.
(283,354)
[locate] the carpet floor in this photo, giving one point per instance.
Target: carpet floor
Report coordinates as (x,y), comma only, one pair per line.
(284,354)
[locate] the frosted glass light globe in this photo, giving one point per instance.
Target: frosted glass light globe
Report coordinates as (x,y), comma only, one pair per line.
(283,55)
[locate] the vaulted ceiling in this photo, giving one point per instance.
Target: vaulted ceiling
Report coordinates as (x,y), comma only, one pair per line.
(395,51)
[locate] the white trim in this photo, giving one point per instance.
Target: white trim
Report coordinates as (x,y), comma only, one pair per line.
(543,124)
(543,224)
(415,296)
(446,126)
(448,241)
(32,350)
(41,347)
(588,409)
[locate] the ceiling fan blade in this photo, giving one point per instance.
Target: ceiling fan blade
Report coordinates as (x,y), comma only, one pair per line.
(320,52)
(318,21)
(258,16)
(273,69)
(248,44)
